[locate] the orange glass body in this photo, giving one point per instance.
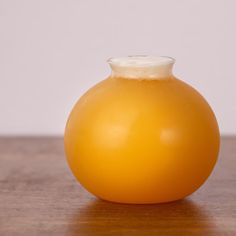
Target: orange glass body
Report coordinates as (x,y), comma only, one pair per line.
(141,141)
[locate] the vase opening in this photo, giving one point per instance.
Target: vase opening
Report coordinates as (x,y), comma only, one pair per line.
(142,67)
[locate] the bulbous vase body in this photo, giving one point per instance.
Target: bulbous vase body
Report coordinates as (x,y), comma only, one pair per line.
(142,135)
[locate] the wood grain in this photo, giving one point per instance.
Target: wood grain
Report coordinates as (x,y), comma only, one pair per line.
(39,196)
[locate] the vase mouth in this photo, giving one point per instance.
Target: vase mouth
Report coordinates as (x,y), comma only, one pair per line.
(141,60)
(142,66)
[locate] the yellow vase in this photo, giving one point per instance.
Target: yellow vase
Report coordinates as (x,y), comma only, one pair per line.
(141,135)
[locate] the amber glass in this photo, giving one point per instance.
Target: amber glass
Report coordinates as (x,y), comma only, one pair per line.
(141,135)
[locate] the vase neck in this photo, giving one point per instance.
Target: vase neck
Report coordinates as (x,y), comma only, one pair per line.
(142,67)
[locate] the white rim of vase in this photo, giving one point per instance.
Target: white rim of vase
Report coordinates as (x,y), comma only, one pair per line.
(142,66)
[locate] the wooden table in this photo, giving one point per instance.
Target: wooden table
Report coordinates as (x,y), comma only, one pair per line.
(39,196)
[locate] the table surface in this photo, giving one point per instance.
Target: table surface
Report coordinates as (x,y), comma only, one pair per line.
(39,196)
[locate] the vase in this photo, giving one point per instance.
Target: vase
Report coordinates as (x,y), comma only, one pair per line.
(141,135)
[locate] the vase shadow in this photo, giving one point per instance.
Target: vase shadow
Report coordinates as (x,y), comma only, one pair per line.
(100,217)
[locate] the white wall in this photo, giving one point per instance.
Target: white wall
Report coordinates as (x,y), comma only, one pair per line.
(51,51)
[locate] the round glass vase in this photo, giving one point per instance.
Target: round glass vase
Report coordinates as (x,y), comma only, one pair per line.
(141,135)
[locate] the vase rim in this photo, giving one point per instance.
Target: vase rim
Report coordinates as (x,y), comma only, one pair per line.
(141,60)
(141,66)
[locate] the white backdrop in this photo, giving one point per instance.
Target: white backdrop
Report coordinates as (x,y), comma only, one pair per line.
(52,51)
